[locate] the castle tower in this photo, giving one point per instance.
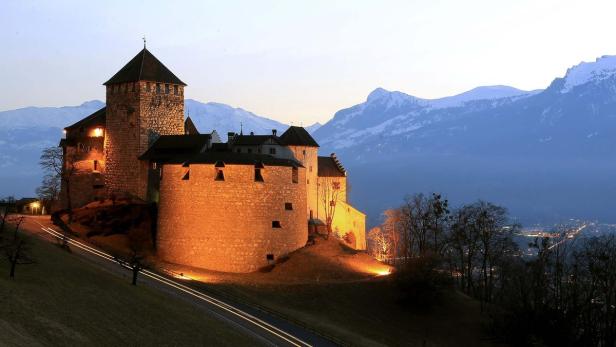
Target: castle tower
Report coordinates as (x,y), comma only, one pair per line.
(306,151)
(144,100)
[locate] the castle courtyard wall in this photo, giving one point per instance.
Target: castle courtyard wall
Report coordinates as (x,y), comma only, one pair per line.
(227,225)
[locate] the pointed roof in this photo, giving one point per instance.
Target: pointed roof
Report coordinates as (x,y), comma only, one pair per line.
(144,67)
(297,136)
(189,127)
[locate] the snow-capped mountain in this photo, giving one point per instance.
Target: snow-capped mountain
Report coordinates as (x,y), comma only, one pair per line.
(396,113)
(602,68)
(224,118)
(314,127)
(47,117)
(547,154)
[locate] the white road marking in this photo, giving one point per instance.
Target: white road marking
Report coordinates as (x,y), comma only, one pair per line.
(222,305)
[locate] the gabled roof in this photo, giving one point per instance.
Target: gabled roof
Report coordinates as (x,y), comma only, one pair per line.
(330,167)
(96,118)
(190,128)
(254,140)
(297,136)
(144,67)
(176,147)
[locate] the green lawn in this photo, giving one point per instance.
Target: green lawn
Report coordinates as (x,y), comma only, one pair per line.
(64,300)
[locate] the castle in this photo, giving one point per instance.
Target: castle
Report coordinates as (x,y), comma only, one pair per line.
(232,206)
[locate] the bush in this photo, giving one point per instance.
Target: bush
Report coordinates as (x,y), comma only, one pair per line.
(349,239)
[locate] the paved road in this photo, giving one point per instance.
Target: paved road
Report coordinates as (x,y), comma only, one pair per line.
(267,329)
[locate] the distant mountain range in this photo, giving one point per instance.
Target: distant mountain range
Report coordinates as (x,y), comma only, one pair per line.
(546,154)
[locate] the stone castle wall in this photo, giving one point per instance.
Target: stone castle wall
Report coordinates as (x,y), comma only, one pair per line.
(84,176)
(347,219)
(227,225)
(308,156)
(137,113)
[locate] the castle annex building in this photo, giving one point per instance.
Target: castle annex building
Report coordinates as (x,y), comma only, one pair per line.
(232,206)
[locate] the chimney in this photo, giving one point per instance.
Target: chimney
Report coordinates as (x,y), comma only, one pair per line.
(230,136)
(274,131)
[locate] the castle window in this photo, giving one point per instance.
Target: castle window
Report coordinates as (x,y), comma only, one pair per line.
(158,88)
(148,87)
(258,176)
(175,90)
(288,206)
(166,89)
(154,165)
(269,257)
(276,224)
(186,176)
(295,175)
(220,176)
(97,132)
(96,165)
(304,152)
(249,150)
(272,150)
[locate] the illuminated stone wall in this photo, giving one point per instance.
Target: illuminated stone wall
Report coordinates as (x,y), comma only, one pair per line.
(348,219)
(227,225)
(86,181)
(308,156)
(137,113)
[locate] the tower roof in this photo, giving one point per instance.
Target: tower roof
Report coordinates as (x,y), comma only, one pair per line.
(189,127)
(297,136)
(144,67)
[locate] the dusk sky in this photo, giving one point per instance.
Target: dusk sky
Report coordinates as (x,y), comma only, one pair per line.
(296,61)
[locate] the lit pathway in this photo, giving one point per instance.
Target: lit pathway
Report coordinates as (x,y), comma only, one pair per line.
(268,329)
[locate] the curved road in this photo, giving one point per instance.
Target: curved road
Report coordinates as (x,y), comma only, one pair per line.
(267,329)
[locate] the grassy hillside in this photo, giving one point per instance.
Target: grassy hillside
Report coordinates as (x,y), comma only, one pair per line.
(62,300)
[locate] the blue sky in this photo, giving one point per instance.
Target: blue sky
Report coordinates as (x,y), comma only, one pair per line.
(296,61)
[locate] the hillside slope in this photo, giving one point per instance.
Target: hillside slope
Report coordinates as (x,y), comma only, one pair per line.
(62,300)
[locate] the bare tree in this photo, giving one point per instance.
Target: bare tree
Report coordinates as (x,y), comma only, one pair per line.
(330,192)
(381,244)
(393,229)
(49,190)
(16,248)
(8,206)
(54,163)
